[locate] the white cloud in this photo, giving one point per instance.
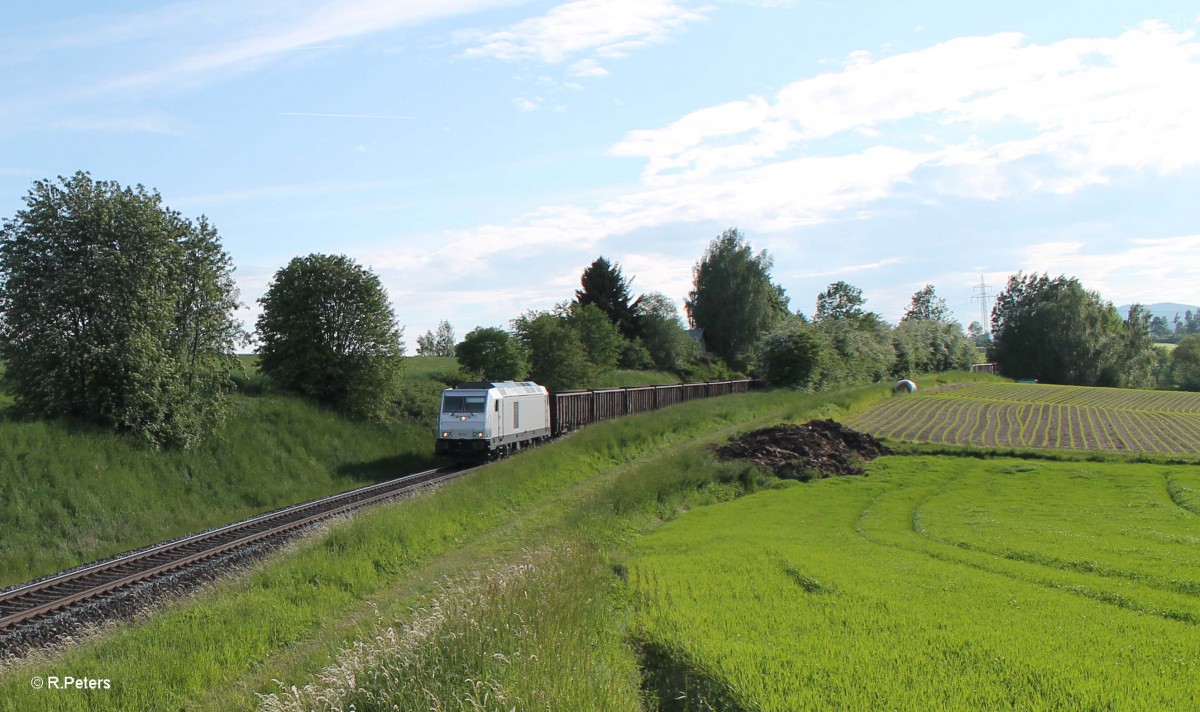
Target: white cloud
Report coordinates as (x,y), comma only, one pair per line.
(600,28)
(851,269)
(528,104)
(1089,106)
(122,124)
(1146,270)
(265,33)
(588,68)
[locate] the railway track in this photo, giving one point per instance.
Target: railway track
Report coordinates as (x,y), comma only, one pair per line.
(61,592)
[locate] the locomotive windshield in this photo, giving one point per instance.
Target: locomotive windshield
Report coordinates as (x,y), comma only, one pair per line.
(464,404)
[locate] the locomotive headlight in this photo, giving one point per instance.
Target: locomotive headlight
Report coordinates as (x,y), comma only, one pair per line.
(479,435)
(446,434)
(462,417)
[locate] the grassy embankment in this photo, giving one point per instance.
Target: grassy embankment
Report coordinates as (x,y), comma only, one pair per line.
(590,493)
(70,494)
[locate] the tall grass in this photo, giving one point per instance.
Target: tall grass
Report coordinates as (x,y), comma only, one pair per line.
(543,632)
(933,583)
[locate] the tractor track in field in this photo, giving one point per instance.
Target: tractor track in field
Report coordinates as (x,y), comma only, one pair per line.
(60,606)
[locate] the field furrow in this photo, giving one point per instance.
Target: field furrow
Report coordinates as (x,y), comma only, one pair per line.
(1042,417)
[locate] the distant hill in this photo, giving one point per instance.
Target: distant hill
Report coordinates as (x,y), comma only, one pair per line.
(1166,310)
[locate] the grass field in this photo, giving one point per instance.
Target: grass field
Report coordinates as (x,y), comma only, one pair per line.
(288,620)
(1040,416)
(933,583)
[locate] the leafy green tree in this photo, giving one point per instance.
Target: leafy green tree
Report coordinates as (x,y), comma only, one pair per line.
(841,301)
(437,344)
(604,286)
(116,310)
(733,298)
(557,358)
(978,336)
(857,350)
(927,346)
(491,354)
(602,342)
(328,332)
(662,332)
(791,356)
(1159,329)
(926,305)
(1058,332)
(1185,363)
(635,356)
(1136,360)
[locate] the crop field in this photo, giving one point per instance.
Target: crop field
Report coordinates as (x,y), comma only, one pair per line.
(934,583)
(1039,416)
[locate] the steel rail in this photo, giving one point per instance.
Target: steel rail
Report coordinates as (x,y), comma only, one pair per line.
(62,591)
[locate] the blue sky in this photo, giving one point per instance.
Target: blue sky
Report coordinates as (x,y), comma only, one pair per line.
(478,154)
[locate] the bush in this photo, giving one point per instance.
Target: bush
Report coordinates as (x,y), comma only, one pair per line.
(792,357)
(492,355)
(328,332)
(116,310)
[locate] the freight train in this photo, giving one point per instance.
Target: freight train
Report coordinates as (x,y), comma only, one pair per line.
(488,420)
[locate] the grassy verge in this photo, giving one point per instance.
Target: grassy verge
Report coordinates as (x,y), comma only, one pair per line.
(586,488)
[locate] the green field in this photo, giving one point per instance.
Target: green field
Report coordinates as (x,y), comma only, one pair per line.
(624,568)
(1016,415)
(934,583)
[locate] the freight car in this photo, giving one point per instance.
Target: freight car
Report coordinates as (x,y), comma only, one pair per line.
(481,420)
(571,410)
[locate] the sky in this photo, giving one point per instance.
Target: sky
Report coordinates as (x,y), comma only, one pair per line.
(478,155)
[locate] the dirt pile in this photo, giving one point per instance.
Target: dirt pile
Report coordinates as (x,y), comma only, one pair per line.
(819,448)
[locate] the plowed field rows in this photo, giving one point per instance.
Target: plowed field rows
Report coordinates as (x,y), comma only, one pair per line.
(1036,416)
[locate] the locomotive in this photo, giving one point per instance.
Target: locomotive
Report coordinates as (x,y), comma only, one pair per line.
(479,421)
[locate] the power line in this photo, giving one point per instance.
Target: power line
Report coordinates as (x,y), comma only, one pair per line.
(984,294)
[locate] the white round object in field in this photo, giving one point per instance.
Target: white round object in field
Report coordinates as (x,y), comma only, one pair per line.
(904,386)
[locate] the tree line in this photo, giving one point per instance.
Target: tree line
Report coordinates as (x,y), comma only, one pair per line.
(741,324)
(117,310)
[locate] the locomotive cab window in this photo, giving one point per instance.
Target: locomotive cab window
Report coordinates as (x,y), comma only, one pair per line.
(464,404)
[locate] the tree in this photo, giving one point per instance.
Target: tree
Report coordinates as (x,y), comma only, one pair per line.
(791,356)
(1058,332)
(926,305)
(604,286)
(557,358)
(671,348)
(602,342)
(927,346)
(1185,363)
(978,336)
(328,332)
(491,354)
(733,298)
(857,350)
(1159,329)
(1136,362)
(116,310)
(840,301)
(439,344)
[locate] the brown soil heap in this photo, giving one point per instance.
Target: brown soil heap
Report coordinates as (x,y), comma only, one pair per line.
(819,448)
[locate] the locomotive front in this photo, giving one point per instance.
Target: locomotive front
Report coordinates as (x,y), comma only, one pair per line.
(463,422)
